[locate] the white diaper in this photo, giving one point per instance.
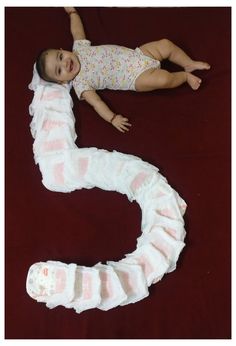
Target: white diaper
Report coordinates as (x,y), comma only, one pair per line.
(152,261)
(132,280)
(112,293)
(51,282)
(87,289)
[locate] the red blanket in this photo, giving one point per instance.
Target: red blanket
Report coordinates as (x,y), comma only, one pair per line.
(183,132)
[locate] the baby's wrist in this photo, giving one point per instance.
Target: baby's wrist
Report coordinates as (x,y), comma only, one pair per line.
(113,118)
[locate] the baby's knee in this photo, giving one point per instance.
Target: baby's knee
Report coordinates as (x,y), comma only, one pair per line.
(163,78)
(165,42)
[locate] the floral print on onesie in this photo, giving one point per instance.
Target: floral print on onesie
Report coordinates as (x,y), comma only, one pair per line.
(109,67)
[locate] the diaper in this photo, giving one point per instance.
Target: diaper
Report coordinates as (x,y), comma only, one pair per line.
(87,289)
(152,262)
(132,280)
(112,293)
(164,243)
(51,282)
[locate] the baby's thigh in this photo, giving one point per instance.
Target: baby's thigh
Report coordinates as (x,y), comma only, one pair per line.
(151,79)
(151,49)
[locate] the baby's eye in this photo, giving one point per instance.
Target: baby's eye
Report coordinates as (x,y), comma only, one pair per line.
(61,56)
(59,71)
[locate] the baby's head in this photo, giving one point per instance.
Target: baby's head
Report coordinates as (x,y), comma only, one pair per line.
(57,65)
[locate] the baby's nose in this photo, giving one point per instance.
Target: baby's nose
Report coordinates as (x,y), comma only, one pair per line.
(63,63)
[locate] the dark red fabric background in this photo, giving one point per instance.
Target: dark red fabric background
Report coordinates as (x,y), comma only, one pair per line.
(185,133)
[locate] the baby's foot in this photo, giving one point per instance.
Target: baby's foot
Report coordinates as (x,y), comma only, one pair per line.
(193,81)
(197,65)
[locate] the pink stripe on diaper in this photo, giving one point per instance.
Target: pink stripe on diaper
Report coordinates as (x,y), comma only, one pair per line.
(162,246)
(171,232)
(127,283)
(146,265)
(87,286)
(50,124)
(60,280)
(83,166)
(57,144)
(52,95)
(107,290)
(58,172)
(168,213)
(138,180)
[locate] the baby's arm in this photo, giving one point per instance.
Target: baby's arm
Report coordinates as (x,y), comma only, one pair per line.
(117,120)
(76,25)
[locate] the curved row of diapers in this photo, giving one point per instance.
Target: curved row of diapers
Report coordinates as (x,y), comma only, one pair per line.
(65,168)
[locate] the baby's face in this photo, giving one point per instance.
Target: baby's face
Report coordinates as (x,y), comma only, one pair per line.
(61,65)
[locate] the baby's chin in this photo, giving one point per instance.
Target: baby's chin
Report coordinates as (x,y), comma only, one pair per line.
(75,74)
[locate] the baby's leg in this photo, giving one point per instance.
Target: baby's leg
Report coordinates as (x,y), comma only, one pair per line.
(153,79)
(165,49)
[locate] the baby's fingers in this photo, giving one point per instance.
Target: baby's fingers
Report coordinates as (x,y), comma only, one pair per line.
(124,128)
(125,122)
(121,123)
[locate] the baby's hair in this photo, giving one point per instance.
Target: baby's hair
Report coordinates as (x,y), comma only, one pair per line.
(40,66)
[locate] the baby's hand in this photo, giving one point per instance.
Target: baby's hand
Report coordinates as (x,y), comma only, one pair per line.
(121,123)
(69,9)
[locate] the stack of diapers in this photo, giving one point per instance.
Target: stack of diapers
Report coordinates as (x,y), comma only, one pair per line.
(65,168)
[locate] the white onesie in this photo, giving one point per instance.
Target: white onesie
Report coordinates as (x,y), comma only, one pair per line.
(109,67)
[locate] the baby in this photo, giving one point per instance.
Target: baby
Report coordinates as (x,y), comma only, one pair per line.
(91,68)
